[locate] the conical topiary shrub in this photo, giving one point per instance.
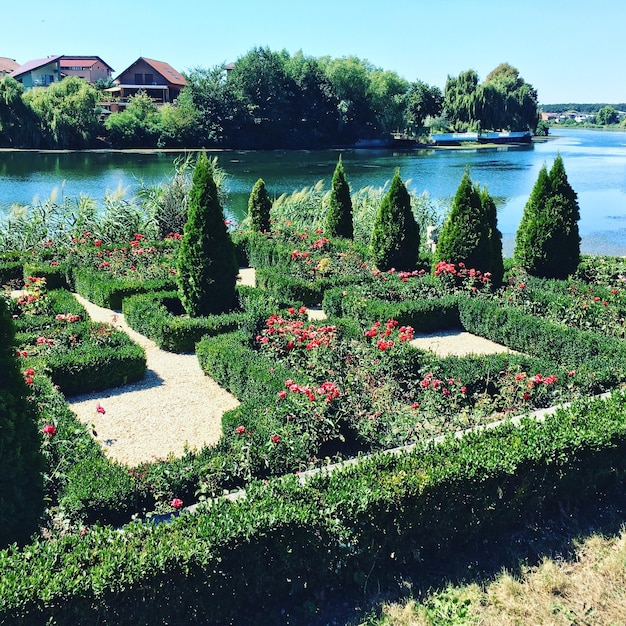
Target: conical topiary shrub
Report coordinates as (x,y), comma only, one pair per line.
(207,265)
(339,216)
(259,206)
(21,462)
(395,234)
(470,233)
(547,242)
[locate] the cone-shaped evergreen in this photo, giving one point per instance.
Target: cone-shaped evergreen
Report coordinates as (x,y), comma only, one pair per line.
(259,206)
(21,464)
(395,235)
(339,217)
(470,233)
(547,242)
(207,265)
(495,264)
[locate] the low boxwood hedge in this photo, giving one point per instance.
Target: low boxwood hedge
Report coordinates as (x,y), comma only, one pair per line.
(160,316)
(108,292)
(240,561)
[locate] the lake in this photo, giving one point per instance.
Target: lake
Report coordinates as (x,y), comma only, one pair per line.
(595,162)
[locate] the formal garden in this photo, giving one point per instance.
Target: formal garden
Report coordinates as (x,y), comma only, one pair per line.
(352,453)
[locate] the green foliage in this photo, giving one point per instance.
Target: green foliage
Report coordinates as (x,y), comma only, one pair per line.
(259,206)
(21,464)
(547,242)
(207,266)
(504,101)
(607,115)
(470,233)
(339,215)
(67,112)
(395,234)
(158,315)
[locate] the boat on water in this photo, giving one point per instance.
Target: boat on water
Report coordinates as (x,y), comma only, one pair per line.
(458,139)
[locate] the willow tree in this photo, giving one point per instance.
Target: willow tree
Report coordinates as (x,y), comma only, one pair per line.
(207,265)
(339,215)
(395,238)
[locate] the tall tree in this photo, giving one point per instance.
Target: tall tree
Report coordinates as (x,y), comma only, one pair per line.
(422,101)
(68,113)
(18,124)
(395,234)
(21,484)
(547,242)
(339,215)
(207,265)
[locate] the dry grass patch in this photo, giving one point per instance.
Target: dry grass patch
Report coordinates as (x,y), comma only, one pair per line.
(589,590)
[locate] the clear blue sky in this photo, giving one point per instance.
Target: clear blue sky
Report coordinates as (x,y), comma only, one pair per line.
(570,51)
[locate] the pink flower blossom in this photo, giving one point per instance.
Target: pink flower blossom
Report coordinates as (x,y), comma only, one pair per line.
(240,430)
(100,408)
(176,503)
(275,438)
(49,430)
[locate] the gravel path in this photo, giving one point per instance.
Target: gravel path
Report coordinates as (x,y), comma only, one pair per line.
(175,405)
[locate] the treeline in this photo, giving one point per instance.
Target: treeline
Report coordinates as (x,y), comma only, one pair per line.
(580,108)
(269,100)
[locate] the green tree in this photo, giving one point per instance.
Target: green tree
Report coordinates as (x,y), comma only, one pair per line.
(21,484)
(19,126)
(207,265)
(209,95)
(259,206)
(138,125)
(339,215)
(264,100)
(470,233)
(68,113)
(422,101)
(395,238)
(547,242)
(607,115)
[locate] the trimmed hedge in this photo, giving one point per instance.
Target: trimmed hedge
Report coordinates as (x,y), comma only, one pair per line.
(10,271)
(159,316)
(56,275)
(108,292)
(239,561)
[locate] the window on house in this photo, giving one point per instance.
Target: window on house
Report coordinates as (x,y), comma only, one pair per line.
(138,79)
(149,79)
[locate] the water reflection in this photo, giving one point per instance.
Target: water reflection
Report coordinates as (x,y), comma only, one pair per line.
(595,163)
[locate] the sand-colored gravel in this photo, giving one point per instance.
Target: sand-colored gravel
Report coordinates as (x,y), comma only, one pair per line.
(176,406)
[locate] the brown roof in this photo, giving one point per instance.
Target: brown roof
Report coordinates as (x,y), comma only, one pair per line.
(29,66)
(85,61)
(7,65)
(172,76)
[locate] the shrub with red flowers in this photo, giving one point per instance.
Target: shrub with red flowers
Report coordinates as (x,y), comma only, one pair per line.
(460,278)
(294,340)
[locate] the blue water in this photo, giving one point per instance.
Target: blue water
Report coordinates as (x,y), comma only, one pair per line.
(595,162)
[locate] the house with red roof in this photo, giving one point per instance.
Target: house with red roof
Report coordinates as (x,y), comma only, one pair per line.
(90,68)
(157,79)
(7,66)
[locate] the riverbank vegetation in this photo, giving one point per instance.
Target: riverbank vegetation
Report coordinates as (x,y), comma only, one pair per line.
(312,394)
(269,100)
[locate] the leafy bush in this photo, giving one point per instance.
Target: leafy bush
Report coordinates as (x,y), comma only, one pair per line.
(259,206)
